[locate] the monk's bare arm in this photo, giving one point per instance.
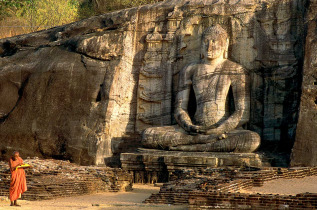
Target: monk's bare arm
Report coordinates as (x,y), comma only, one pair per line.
(241,94)
(182,98)
(13,167)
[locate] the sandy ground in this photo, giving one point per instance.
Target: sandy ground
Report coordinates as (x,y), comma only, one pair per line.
(287,186)
(109,201)
(133,200)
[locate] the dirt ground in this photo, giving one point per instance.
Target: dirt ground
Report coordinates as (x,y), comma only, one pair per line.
(287,186)
(109,201)
(133,200)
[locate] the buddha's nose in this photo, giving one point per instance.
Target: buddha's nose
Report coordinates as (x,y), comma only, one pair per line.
(210,45)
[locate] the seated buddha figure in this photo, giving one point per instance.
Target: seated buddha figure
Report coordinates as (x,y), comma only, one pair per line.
(214,127)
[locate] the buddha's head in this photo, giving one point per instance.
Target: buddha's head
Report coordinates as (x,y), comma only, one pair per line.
(214,43)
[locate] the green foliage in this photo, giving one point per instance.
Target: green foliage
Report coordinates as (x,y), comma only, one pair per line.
(103,6)
(86,9)
(89,8)
(9,7)
(134,3)
(43,14)
(24,16)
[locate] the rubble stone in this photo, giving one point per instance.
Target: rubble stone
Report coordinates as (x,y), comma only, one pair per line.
(55,178)
(220,188)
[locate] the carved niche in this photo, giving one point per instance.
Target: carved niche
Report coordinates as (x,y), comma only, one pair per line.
(154,105)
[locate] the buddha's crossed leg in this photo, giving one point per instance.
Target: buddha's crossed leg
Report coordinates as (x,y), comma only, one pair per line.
(174,138)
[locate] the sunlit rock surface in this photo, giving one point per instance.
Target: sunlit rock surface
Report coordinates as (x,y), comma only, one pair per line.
(85,91)
(304,152)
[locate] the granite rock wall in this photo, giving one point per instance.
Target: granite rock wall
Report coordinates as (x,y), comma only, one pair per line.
(305,147)
(85,91)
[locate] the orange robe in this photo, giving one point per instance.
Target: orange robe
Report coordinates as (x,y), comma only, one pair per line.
(18,180)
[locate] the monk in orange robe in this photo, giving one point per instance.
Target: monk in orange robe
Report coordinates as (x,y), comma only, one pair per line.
(18,180)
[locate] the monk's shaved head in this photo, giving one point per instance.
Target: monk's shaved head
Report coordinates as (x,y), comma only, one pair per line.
(15,152)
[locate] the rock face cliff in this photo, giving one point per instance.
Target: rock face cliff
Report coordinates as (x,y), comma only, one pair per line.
(305,148)
(85,91)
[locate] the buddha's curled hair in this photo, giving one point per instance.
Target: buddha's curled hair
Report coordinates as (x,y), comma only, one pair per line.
(215,32)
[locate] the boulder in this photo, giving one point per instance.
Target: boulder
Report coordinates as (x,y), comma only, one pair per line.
(85,91)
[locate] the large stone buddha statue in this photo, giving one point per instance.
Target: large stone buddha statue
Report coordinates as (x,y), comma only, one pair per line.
(215,127)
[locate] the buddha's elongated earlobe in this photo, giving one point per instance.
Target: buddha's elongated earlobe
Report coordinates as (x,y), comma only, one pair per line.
(225,53)
(202,56)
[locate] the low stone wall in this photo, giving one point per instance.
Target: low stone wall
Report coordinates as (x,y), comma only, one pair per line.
(54,178)
(211,200)
(219,188)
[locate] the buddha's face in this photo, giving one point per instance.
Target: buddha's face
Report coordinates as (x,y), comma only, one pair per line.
(213,48)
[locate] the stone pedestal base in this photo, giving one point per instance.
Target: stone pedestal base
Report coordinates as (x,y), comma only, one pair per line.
(150,165)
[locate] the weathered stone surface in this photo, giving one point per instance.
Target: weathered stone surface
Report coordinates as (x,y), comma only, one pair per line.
(218,120)
(150,165)
(62,102)
(85,91)
(49,179)
(214,188)
(304,152)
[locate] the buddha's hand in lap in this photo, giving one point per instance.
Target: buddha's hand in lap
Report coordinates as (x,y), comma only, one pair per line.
(215,131)
(201,130)
(196,129)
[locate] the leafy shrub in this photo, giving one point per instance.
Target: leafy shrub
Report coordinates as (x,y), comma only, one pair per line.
(25,16)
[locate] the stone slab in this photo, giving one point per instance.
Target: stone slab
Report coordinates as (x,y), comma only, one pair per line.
(160,163)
